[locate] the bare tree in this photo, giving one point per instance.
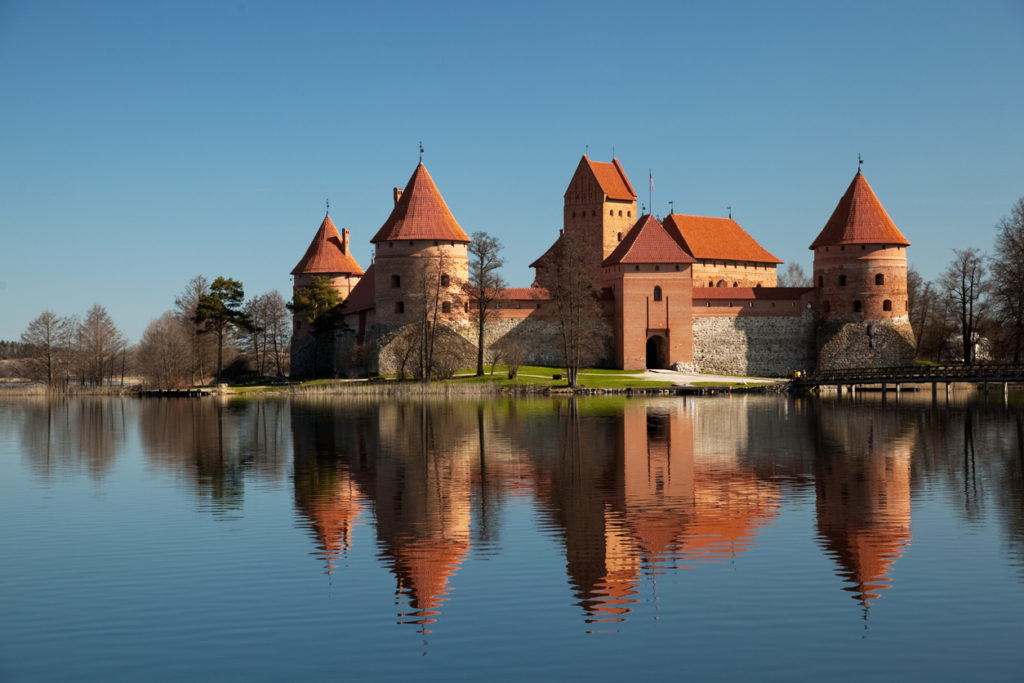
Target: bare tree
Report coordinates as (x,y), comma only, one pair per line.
(269,334)
(963,283)
(484,286)
(202,346)
(99,345)
(577,310)
(795,277)
(164,353)
(431,290)
(1007,282)
(48,341)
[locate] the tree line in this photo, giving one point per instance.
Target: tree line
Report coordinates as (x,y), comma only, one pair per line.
(974,310)
(212,332)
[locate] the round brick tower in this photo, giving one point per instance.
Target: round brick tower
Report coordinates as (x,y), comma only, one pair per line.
(860,277)
(420,247)
(860,260)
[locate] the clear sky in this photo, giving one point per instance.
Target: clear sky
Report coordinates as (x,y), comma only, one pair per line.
(144,143)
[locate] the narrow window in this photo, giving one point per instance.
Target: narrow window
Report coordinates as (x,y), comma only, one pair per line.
(446,306)
(611,212)
(657,267)
(620,213)
(399,307)
(657,292)
(735,284)
(628,214)
(842,280)
(821,281)
(886,305)
(879,279)
(445,280)
(396,280)
(828,307)
(711,284)
(857,307)
(620,237)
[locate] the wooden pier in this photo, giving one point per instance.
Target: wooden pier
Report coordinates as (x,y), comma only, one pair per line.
(895,379)
(194,392)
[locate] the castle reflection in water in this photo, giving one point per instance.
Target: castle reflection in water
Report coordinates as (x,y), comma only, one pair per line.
(630,489)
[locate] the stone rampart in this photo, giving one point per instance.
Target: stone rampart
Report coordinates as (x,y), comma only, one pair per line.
(772,346)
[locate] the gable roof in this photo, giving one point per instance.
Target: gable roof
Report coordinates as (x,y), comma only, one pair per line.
(327,253)
(647,242)
(859,218)
(610,176)
(362,296)
(421,214)
(721,239)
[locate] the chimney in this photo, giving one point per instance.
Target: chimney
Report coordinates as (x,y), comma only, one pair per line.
(344,240)
(398,195)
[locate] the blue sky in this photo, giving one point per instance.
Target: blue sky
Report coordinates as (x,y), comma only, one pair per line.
(145,143)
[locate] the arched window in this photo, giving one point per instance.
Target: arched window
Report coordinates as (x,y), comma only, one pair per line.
(611,212)
(657,292)
(628,214)
(879,279)
(857,307)
(735,284)
(445,281)
(886,305)
(720,283)
(711,284)
(842,280)
(620,213)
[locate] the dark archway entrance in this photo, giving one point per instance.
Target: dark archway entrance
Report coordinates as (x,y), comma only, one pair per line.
(656,352)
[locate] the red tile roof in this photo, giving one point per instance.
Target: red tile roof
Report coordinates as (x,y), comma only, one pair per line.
(520,293)
(720,239)
(859,219)
(421,214)
(327,253)
(647,242)
(612,179)
(361,297)
(749,293)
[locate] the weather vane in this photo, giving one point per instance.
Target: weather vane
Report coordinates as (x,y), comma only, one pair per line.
(729,209)
(421,151)
(671,206)
(328,207)
(859,162)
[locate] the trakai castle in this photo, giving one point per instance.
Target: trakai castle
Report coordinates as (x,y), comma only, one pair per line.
(689,292)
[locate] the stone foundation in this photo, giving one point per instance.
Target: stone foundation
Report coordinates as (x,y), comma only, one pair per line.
(866,344)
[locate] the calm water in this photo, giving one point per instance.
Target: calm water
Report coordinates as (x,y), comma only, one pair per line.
(728,538)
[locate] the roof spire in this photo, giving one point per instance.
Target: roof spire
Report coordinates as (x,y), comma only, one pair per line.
(421,151)
(328,206)
(671,207)
(729,209)
(586,150)
(859,162)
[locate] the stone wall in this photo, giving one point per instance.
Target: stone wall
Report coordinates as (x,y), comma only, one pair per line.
(865,344)
(756,345)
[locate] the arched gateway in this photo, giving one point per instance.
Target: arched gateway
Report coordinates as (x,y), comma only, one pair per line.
(656,352)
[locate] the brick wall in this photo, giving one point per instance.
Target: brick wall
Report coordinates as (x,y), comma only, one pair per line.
(710,273)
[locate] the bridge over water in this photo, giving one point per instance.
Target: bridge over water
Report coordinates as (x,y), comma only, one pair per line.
(894,379)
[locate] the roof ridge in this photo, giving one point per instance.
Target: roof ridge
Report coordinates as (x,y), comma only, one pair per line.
(647,242)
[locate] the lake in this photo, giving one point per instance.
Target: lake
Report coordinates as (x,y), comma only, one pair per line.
(605,538)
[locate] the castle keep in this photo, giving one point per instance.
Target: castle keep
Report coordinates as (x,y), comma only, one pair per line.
(685,291)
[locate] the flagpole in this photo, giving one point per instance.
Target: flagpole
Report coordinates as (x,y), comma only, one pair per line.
(650,192)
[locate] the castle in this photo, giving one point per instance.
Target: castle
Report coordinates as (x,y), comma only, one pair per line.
(689,292)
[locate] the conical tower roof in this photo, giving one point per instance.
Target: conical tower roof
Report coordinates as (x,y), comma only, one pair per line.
(421,214)
(327,253)
(859,219)
(647,242)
